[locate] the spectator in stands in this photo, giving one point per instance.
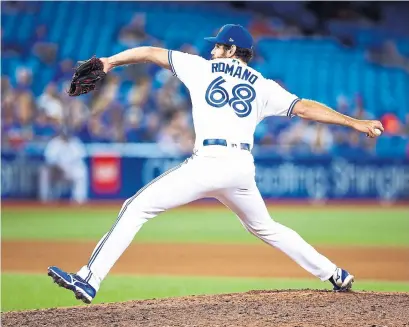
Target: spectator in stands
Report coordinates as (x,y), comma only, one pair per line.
(93,131)
(77,114)
(360,111)
(341,143)
(341,135)
(6,87)
(155,94)
(50,102)
(44,127)
(132,125)
(160,78)
(24,79)
(150,128)
(7,117)
(134,34)
(388,55)
(176,137)
(113,121)
(299,137)
(138,94)
(322,139)
(133,128)
(13,7)
(343,105)
(64,163)
(106,94)
(111,87)
(45,50)
(64,71)
(355,145)
(170,98)
(368,145)
(20,130)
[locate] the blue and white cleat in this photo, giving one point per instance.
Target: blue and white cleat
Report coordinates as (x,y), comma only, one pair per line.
(82,290)
(342,280)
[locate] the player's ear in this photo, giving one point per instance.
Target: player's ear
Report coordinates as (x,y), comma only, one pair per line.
(231,51)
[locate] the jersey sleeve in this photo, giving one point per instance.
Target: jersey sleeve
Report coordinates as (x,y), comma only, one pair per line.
(279,102)
(186,67)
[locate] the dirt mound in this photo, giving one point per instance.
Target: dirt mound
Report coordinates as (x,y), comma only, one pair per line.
(299,308)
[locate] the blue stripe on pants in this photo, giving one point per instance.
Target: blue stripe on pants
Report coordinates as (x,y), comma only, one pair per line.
(98,250)
(88,276)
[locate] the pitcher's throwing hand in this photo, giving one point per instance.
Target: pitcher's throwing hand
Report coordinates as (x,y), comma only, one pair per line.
(229,99)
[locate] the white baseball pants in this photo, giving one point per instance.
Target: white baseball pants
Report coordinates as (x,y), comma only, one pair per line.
(228,178)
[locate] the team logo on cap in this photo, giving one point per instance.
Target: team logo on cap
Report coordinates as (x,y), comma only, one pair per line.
(231,40)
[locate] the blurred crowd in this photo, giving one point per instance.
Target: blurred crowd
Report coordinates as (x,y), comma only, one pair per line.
(145,103)
(155,108)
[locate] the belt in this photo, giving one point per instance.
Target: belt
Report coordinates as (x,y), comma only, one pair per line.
(223,142)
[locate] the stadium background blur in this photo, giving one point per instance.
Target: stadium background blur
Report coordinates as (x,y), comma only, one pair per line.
(353,56)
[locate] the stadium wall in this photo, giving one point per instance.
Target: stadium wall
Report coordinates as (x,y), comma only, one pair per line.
(118,174)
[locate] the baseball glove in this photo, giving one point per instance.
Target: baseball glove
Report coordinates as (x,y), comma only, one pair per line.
(86,75)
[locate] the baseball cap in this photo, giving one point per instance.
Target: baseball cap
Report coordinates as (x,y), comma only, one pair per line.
(231,34)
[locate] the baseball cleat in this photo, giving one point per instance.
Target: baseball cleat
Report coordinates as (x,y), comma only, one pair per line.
(82,290)
(342,280)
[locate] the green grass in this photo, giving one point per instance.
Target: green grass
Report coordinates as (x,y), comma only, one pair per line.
(377,226)
(40,292)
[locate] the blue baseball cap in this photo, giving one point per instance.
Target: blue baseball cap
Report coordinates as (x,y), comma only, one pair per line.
(231,34)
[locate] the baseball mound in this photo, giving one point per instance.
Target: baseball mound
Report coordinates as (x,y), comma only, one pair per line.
(292,308)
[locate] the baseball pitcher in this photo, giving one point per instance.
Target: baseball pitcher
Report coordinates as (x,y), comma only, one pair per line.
(229,99)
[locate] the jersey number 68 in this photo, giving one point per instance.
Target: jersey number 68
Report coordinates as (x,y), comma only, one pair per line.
(242,96)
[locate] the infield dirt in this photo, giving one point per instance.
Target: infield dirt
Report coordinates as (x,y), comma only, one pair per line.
(297,308)
(302,308)
(232,260)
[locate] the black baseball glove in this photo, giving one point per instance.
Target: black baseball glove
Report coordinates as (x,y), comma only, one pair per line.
(86,75)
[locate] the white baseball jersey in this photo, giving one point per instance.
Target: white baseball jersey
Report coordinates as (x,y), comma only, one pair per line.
(228,98)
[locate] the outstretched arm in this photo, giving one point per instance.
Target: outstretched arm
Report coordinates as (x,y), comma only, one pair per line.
(313,110)
(138,55)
